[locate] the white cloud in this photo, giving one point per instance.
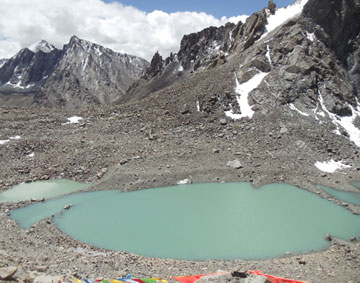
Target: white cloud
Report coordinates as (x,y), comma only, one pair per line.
(121,28)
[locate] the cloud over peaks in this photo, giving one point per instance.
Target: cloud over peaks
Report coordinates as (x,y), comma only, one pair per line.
(121,28)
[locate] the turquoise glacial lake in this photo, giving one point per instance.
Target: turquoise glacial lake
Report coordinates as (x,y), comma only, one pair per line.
(199,221)
(41,189)
(350,197)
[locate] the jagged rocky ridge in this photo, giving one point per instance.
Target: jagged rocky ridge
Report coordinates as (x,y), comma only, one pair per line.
(82,73)
(303,59)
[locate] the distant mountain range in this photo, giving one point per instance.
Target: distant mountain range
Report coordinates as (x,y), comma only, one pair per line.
(80,74)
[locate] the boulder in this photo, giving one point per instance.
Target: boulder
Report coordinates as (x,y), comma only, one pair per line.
(7,273)
(236,164)
(223,122)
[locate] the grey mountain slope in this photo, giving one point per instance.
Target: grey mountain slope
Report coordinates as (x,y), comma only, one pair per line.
(2,62)
(82,73)
(310,65)
(26,70)
(87,69)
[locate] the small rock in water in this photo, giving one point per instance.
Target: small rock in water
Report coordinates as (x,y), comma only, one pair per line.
(328,237)
(353,239)
(67,206)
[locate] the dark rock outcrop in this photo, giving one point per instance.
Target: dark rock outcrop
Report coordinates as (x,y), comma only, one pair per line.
(156,66)
(337,27)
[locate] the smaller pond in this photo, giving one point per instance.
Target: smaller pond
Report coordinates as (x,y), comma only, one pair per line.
(41,189)
(350,197)
(199,221)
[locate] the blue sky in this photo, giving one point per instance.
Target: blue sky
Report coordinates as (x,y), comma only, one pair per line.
(217,8)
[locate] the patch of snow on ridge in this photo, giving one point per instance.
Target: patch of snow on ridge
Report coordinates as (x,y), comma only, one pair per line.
(73,120)
(284,14)
(347,122)
(268,54)
(330,166)
(15,138)
(293,107)
(243,91)
(41,45)
(310,36)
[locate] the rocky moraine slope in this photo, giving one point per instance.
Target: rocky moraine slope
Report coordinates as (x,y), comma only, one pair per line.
(273,99)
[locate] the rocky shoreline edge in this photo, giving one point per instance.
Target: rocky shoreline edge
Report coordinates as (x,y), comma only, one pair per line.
(45,253)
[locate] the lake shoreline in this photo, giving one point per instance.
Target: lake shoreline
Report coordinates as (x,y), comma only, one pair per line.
(116,151)
(44,245)
(52,248)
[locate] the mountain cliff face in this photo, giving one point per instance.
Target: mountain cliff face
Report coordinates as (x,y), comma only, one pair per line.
(82,73)
(302,60)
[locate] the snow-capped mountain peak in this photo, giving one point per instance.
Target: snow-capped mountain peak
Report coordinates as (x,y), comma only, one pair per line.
(41,45)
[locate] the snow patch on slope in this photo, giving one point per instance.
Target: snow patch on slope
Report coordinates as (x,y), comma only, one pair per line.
(282,15)
(268,56)
(9,139)
(330,166)
(242,91)
(183,182)
(310,36)
(73,120)
(41,45)
(293,107)
(347,122)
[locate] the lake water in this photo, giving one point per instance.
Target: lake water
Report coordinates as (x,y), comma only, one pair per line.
(350,197)
(357,185)
(199,221)
(41,189)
